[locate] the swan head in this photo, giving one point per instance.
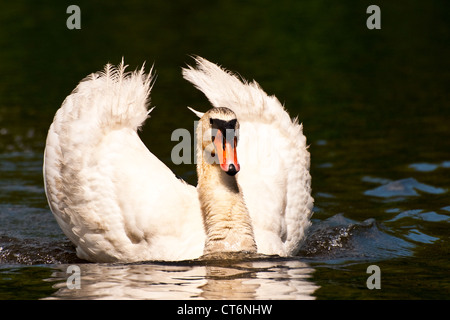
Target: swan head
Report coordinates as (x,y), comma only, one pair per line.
(218,130)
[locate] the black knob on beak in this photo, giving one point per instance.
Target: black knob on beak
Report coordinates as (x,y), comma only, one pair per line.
(232,170)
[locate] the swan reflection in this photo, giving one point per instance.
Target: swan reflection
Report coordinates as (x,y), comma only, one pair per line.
(280,279)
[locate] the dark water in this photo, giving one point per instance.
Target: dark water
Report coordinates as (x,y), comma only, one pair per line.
(375,108)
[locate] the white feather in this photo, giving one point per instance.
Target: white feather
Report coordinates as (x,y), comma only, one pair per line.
(272,150)
(117,202)
(111,196)
(197,113)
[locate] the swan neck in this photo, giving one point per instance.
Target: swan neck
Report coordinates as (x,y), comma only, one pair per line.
(226,218)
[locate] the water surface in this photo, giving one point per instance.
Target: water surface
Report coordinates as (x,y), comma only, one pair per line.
(375,109)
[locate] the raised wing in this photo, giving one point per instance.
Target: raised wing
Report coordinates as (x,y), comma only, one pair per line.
(272,151)
(111,196)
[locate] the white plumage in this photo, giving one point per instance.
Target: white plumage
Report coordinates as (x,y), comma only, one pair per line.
(117,202)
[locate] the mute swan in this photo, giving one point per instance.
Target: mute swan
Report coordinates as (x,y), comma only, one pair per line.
(118,203)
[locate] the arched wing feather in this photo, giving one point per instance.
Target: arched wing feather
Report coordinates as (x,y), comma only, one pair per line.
(273,154)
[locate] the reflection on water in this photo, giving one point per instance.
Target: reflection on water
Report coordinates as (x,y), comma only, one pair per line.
(260,279)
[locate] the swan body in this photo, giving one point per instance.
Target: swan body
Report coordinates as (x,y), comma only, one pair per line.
(117,202)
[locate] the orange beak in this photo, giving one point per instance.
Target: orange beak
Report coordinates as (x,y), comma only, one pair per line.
(227,154)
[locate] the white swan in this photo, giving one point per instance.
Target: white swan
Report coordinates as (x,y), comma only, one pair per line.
(118,203)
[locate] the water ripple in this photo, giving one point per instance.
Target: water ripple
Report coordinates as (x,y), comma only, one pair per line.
(428,167)
(403,188)
(418,214)
(339,239)
(32,252)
